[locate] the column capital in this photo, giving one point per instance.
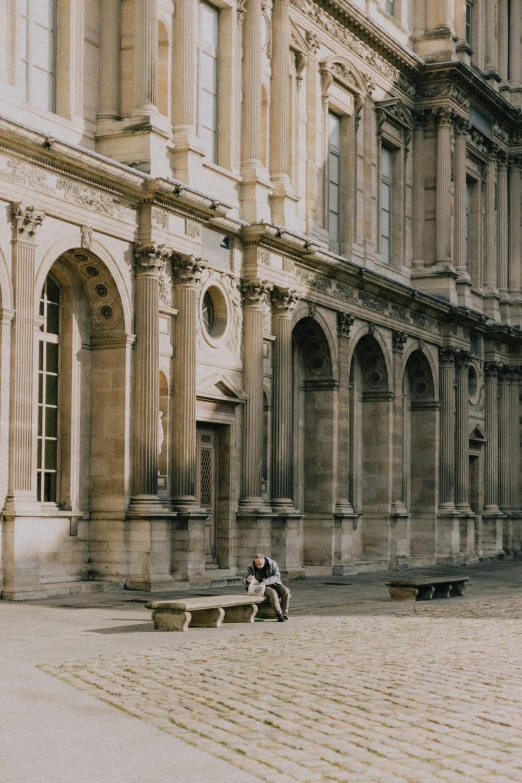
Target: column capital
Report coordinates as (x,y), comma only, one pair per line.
(187,269)
(344,324)
(399,341)
(447,356)
(444,116)
(491,369)
(25,221)
(420,119)
(254,292)
(461,125)
(462,360)
(150,259)
(284,301)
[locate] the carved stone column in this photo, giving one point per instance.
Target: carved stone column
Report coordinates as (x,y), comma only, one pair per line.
(443,235)
(22,490)
(189,532)
(460,226)
(253,518)
(491,240)
(491,60)
(252,62)
(419,174)
(287,537)
(509,444)
(145,57)
(502,220)
(491,371)
(109,106)
(345,519)
(187,155)
(400,517)
(280,138)
(20,544)
(150,261)
(514,277)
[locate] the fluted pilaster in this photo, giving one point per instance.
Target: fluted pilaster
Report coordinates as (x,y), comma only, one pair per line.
(460,226)
(184,66)
(254,294)
(462,431)
(491,64)
(26,220)
(490,271)
(283,302)
(503,221)
(513,273)
(280,137)
(187,274)
(418,189)
(443,237)
(146,56)
(252,62)
(344,502)
(109,107)
(508,436)
(447,428)
(150,261)
(492,452)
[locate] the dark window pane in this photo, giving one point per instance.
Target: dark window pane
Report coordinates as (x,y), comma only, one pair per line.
(53,313)
(40,387)
(51,389)
(40,419)
(39,463)
(40,356)
(52,357)
(39,486)
(51,454)
(51,422)
(53,292)
(49,487)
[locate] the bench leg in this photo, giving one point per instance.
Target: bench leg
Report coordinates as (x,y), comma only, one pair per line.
(426,593)
(442,591)
(403,593)
(171,621)
(207,618)
(457,589)
(240,614)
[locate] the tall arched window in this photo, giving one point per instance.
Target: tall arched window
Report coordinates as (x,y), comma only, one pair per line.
(48,364)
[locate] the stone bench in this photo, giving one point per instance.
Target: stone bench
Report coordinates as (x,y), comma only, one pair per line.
(204,611)
(426,589)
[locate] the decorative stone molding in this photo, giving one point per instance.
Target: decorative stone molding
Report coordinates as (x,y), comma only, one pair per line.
(312,39)
(462,360)
(254,292)
(86,237)
(284,301)
(396,113)
(25,222)
(343,71)
(187,270)
(344,324)
(192,228)
(151,258)
(160,217)
(399,340)
(491,369)
(346,37)
(447,356)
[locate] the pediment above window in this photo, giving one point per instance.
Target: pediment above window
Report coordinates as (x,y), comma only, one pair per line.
(341,70)
(394,111)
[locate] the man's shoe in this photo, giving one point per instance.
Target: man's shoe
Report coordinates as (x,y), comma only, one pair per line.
(280,618)
(285,616)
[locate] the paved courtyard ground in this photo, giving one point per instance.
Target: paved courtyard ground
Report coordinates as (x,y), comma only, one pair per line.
(353,688)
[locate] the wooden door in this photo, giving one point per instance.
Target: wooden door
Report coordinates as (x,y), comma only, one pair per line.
(206,486)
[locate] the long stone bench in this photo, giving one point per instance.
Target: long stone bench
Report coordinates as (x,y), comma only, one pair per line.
(425,589)
(204,611)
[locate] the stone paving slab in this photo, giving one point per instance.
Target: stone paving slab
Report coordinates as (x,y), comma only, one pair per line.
(429,693)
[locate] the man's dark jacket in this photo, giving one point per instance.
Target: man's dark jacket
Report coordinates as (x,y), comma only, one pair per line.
(271,569)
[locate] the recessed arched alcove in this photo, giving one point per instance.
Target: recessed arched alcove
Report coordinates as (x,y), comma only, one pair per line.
(315,392)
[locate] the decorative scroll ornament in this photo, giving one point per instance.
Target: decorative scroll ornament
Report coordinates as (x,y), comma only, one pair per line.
(187,270)
(284,301)
(25,221)
(462,360)
(254,292)
(344,324)
(150,258)
(399,340)
(447,356)
(86,237)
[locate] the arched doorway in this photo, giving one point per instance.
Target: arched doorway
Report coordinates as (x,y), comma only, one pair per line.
(315,391)
(370,449)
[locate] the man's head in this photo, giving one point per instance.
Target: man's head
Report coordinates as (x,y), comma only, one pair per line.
(259,560)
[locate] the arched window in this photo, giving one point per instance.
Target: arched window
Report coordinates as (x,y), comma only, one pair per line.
(48,381)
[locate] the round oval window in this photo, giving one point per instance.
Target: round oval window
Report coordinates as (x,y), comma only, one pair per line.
(214,313)
(208,312)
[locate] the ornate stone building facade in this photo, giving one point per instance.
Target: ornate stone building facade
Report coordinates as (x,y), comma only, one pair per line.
(260,281)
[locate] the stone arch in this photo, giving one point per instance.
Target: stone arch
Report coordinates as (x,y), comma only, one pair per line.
(419,463)
(363,330)
(303,311)
(315,391)
(432,362)
(68,247)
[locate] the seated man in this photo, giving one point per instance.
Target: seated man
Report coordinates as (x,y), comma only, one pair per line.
(266,571)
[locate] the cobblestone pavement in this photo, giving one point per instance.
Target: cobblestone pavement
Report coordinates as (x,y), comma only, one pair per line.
(428,693)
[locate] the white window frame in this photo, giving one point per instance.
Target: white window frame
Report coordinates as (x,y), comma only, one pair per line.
(335,151)
(386,180)
(213,52)
(28,61)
